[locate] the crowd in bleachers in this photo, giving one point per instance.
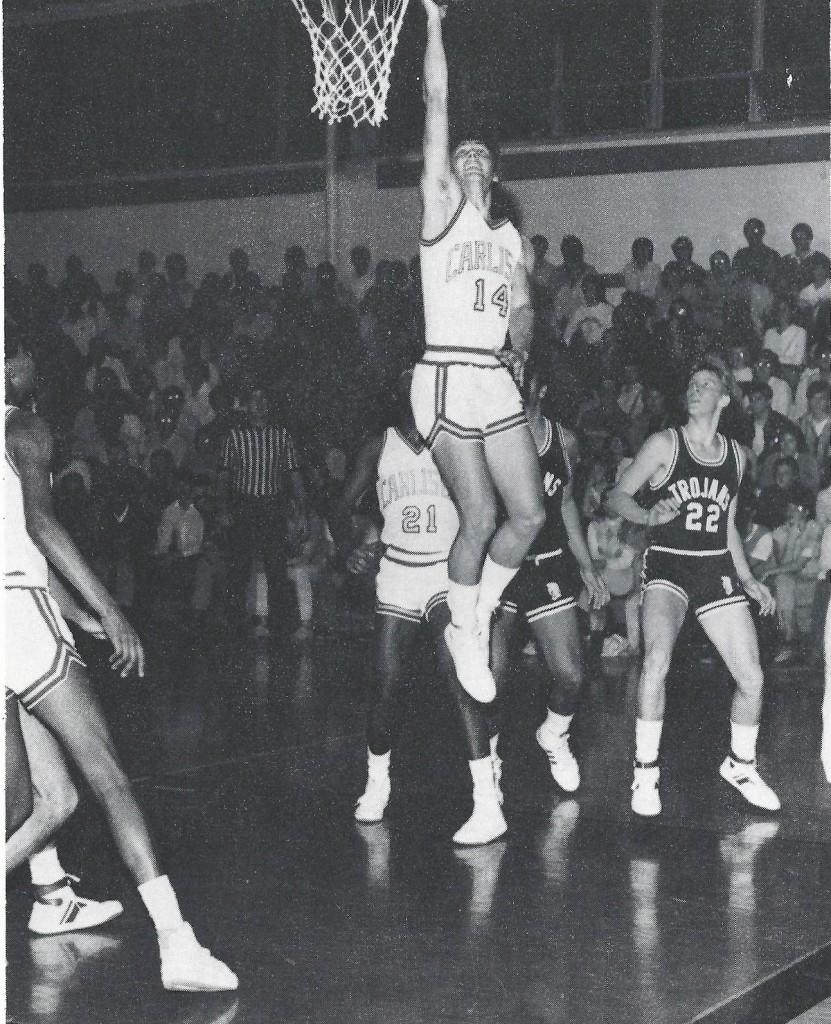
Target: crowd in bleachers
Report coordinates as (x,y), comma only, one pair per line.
(143,383)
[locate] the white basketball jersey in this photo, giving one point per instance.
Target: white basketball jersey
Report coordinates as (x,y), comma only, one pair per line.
(25,566)
(420,520)
(466,275)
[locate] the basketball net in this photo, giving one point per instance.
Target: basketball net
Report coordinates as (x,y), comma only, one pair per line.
(352,56)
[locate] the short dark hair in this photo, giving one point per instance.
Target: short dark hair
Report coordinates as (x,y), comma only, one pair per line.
(711,367)
(643,243)
(817,387)
(819,259)
(802,497)
(757,387)
(482,134)
(806,229)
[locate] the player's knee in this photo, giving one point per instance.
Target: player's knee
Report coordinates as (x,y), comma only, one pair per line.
(751,681)
(19,808)
(570,678)
(478,527)
(529,521)
(63,802)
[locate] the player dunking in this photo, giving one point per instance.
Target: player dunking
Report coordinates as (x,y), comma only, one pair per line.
(47,676)
(546,588)
(420,523)
(465,402)
(695,557)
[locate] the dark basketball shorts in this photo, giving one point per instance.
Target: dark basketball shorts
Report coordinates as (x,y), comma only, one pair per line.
(707,582)
(545,585)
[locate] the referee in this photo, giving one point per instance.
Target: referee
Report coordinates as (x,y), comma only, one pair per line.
(259,474)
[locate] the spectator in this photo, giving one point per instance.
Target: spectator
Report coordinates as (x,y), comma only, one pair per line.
(689,274)
(593,316)
(766,371)
(79,325)
(766,424)
(757,541)
(568,294)
(819,368)
(259,466)
(641,275)
(309,555)
(818,292)
(78,286)
(77,512)
(772,506)
(360,279)
(543,277)
(816,427)
(654,417)
(791,445)
(792,572)
(787,341)
(795,271)
(176,270)
(168,432)
(756,261)
(760,300)
(630,397)
(720,294)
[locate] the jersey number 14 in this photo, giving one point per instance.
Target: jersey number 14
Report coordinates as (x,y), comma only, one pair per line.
(499,298)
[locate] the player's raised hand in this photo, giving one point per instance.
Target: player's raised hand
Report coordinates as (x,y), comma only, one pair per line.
(760,594)
(596,586)
(433,9)
(128,653)
(663,512)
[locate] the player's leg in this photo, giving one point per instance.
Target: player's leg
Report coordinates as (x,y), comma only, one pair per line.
(731,631)
(54,795)
(558,638)
(19,802)
(394,638)
(57,908)
(662,615)
(73,714)
(514,468)
(464,471)
(487,822)
(826,703)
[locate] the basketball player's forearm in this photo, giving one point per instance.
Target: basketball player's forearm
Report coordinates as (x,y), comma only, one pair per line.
(58,548)
(736,549)
(521,328)
(625,505)
(435,64)
(70,609)
(576,539)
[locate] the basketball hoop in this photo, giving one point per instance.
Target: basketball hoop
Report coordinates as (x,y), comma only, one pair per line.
(352,56)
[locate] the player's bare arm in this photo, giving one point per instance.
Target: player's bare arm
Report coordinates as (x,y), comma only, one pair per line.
(595,584)
(521,320)
(30,443)
(650,464)
(71,609)
(359,479)
(752,587)
(440,191)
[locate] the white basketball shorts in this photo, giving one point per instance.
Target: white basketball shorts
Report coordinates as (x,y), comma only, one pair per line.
(39,646)
(410,592)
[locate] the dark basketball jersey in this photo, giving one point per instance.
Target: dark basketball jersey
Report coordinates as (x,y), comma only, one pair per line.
(556,473)
(704,491)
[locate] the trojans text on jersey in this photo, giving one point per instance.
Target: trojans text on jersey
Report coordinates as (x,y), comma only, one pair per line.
(700,487)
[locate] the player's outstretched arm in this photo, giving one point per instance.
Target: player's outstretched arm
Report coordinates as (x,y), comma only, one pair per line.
(439,189)
(70,609)
(649,463)
(30,444)
(359,479)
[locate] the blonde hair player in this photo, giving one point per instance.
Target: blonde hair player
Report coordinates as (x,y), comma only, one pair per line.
(465,401)
(695,558)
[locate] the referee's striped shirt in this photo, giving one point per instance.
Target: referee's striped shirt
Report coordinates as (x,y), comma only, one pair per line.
(257,459)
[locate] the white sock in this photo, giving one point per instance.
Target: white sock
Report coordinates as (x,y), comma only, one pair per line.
(557,724)
(494,741)
(482,772)
(378,765)
(495,578)
(45,868)
(743,741)
(161,903)
(647,740)
(461,600)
